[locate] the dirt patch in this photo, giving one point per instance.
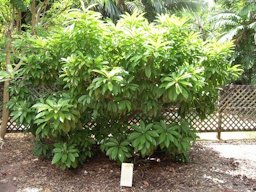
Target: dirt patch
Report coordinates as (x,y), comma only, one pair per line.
(208,171)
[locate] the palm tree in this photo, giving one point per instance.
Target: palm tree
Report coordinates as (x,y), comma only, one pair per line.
(114,8)
(240,26)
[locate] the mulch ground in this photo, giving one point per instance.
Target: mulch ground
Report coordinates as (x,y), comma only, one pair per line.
(207,171)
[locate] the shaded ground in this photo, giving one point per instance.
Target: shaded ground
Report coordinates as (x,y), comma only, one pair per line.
(208,171)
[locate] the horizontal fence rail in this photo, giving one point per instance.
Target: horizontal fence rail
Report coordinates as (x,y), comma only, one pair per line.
(236,111)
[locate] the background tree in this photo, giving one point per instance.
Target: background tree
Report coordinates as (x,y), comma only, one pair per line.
(20,18)
(7,21)
(114,8)
(237,22)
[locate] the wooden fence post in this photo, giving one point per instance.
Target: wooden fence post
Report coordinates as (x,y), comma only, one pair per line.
(219,125)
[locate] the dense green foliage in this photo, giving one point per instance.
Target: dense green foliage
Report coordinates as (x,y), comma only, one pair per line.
(225,19)
(115,8)
(94,71)
(236,21)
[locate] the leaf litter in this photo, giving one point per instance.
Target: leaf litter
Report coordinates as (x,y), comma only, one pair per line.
(207,171)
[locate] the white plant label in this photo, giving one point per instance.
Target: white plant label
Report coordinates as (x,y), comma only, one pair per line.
(126,174)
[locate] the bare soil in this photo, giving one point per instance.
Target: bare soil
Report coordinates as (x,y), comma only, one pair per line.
(207,171)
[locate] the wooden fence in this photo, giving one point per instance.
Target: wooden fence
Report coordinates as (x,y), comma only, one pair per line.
(236,111)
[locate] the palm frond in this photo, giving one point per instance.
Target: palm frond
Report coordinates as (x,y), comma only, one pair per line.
(224,23)
(135,5)
(111,9)
(108,8)
(177,5)
(231,34)
(226,15)
(158,5)
(252,26)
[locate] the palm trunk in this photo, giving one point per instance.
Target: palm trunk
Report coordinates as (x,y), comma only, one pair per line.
(6,96)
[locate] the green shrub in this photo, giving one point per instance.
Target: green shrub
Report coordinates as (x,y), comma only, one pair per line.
(65,155)
(42,149)
(90,71)
(143,138)
(116,150)
(55,117)
(181,138)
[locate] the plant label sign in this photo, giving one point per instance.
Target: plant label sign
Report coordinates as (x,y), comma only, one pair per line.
(126,174)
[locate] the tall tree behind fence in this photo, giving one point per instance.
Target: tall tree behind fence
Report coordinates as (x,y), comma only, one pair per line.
(236,111)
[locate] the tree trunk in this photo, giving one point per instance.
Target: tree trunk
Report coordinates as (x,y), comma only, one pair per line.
(33,13)
(121,5)
(41,11)
(6,97)
(19,21)
(5,111)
